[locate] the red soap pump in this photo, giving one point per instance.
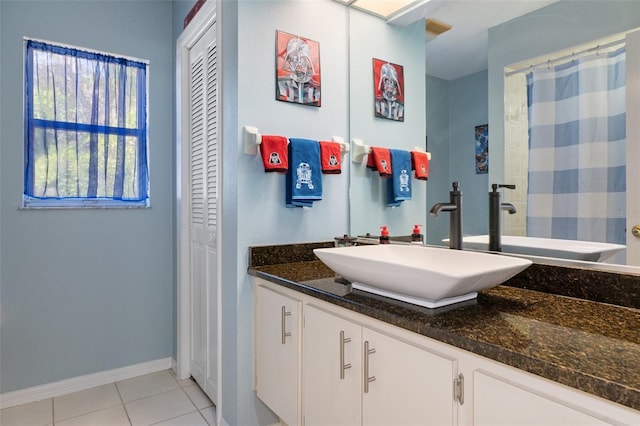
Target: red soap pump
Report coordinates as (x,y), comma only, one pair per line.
(384,235)
(416,236)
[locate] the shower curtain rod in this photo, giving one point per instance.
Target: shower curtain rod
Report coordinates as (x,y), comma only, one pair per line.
(562,58)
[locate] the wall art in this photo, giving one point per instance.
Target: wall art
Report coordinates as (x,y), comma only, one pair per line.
(388,82)
(297,69)
(482,149)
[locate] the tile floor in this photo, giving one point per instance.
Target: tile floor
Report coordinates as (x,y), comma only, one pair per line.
(153,399)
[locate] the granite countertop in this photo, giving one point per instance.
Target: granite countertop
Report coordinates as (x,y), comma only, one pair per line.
(588,345)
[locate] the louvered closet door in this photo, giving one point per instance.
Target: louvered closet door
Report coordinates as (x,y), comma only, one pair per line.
(203,212)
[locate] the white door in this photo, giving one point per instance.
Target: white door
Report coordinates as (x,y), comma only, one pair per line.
(498,403)
(332,385)
(633,146)
(278,340)
(404,384)
(203,220)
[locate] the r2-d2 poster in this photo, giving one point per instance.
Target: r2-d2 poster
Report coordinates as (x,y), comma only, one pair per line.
(297,69)
(388,81)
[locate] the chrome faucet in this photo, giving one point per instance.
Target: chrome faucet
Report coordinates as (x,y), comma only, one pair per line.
(495,207)
(454,207)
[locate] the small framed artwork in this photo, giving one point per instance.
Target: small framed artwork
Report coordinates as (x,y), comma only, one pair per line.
(297,69)
(388,86)
(482,149)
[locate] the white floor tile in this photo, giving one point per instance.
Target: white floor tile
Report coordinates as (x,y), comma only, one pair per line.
(198,397)
(147,385)
(187,382)
(191,419)
(34,414)
(209,415)
(114,416)
(157,408)
(83,402)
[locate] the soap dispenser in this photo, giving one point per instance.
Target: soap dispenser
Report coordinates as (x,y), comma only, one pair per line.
(384,235)
(416,236)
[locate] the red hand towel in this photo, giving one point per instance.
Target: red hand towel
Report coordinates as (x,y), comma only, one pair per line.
(420,163)
(274,151)
(330,157)
(380,159)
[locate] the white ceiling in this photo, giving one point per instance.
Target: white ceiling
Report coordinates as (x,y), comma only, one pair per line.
(463,49)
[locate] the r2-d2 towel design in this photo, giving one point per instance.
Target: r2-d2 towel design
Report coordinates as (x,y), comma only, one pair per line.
(304,177)
(399,184)
(404,181)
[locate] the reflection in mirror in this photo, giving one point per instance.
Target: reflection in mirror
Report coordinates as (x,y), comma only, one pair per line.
(373,38)
(547,39)
(455,105)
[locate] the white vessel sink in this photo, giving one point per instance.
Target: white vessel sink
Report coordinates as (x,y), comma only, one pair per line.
(425,276)
(548,247)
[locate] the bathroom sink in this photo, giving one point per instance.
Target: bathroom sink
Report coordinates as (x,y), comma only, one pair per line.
(425,276)
(548,247)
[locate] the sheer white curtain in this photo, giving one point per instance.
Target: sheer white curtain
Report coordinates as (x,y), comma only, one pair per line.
(85,125)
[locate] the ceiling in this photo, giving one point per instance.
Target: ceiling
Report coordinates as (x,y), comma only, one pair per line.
(463,49)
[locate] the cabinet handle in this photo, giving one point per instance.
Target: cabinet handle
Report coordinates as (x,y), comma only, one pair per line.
(458,386)
(285,334)
(367,379)
(343,366)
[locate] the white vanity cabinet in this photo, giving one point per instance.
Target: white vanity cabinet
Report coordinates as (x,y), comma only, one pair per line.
(412,386)
(524,406)
(277,352)
(342,368)
(332,368)
(356,375)
(504,395)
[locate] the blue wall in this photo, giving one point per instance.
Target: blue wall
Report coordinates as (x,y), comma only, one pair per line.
(454,108)
(262,217)
(371,37)
(84,291)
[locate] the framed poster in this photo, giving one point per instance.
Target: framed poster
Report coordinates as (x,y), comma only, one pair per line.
(297,69)
(482,149)
(388,85)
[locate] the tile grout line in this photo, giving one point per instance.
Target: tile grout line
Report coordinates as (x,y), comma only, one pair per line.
(126,413)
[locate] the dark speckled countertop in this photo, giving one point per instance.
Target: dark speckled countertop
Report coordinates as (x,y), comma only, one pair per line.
(588,345)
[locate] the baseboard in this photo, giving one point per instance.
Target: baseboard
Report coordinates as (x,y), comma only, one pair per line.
(174,366)
(75,384)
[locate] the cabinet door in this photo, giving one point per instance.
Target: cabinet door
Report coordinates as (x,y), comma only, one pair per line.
(496,402)
(332,369)
(277,352)
(411,387)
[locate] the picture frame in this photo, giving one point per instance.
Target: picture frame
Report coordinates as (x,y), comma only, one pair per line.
(388,86)
(482,149)
(298,75)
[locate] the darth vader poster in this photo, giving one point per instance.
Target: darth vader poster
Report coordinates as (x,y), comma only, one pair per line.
(297,69)
(388,81)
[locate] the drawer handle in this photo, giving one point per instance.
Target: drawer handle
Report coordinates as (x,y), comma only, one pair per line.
(367,379)
(285,334)
(343,366)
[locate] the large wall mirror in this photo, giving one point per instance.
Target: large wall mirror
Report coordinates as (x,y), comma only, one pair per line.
(466,86)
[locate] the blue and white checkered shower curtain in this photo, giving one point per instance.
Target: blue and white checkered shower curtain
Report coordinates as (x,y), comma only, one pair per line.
(577,139)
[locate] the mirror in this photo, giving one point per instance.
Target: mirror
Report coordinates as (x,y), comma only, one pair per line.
(371,37)
(455,104)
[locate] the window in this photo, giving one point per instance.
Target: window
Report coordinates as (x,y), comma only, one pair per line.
(85,128)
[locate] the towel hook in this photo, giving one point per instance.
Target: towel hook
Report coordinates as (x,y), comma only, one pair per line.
(359,150)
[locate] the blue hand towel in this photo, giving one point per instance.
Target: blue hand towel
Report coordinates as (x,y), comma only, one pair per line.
(304,176)
(399,185)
